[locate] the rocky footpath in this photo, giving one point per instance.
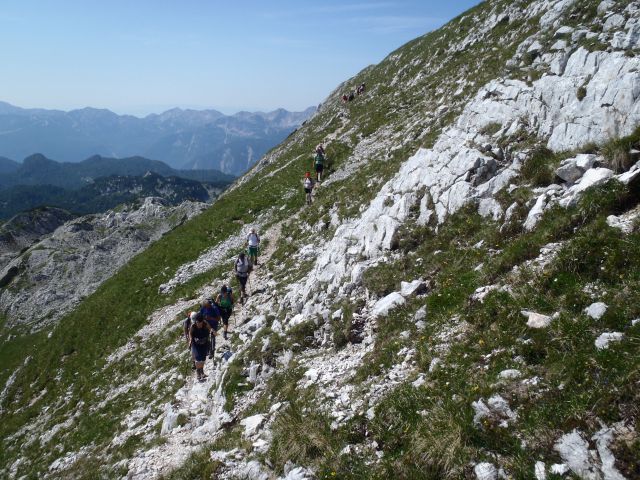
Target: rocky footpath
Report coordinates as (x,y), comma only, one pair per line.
(53,275)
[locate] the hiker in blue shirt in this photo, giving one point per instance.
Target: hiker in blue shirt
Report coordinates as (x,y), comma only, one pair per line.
(211,315)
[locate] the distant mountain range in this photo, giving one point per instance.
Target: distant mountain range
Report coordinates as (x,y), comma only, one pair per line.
(40,170)
(184,139)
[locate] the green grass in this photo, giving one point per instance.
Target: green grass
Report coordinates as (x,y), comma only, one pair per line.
(579,384)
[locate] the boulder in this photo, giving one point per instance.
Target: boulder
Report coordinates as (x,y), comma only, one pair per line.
(614,22)
(420,314)
(485,471)
(535,214)
(585,161)
(592,178)
(559,45)
(536,320)
(535,47)
(489,207)
(564,30)
(574,451)
(416,287)
(605,6)
(569,171)
(252,424)
(386,304)
(603,341)
(596,310)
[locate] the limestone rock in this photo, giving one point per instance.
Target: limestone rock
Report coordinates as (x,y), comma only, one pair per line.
(593,178)
(509,374)
(605,6)
(386,304)
(536,320)
(574,451)
(485,471)
(252,424)
(603,341)
(596,310)
(416,287)
(585,161)
(569,171)
(614,22)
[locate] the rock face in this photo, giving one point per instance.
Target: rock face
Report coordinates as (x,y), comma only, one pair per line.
(66,266)
(24,229)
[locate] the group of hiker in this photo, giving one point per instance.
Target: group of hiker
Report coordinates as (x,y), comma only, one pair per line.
(349,97)
(318,165)
(201,327)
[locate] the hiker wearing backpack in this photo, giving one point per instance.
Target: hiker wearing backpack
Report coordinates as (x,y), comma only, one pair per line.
(318,164)
(186,326)
(253,241)
(307,183)
(211,316)
(242,269)
(199,343)
(224,300)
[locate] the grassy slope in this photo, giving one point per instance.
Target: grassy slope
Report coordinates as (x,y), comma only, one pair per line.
(118,309)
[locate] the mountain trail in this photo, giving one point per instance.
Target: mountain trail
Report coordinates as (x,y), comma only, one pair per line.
(196,414)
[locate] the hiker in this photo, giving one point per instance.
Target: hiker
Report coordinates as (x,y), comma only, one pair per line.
(320,149)
(242,268)
(361,88)
(199,343)
(351,96)
(253,240)
(186,326)
(345,98)
(211,316)
(224,300)
(307,182)
(318,163)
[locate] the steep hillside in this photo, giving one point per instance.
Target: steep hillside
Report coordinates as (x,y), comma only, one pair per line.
(460,300)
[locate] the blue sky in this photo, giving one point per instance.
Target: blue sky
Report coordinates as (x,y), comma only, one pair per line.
(143,56)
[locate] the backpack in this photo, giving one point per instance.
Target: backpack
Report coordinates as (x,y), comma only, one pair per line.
(186,324)
(308,183)
(227,300)
(242,267)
